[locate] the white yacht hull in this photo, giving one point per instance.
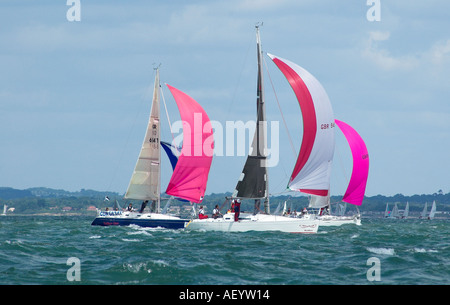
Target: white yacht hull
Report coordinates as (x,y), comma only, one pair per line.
(330,220)
(259,222)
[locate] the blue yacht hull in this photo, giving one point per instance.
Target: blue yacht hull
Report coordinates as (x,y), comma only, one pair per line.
(150,223)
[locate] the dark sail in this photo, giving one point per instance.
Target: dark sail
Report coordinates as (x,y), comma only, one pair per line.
(254,180)
(253,184)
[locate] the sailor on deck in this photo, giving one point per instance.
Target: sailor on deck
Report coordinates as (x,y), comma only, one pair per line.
(216,212)
(201,213)
(237,209)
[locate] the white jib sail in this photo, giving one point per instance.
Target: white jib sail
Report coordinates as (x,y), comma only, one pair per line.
(145,181)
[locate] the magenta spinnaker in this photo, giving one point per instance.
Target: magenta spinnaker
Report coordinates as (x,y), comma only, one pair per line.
(357,185)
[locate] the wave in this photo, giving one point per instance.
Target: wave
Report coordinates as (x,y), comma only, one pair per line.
(381,251)
(145,266)
(132,240)
(422,250)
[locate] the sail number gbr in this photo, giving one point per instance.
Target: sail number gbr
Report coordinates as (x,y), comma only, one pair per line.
(327,126)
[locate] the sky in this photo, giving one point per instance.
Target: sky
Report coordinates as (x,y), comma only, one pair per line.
(75,95)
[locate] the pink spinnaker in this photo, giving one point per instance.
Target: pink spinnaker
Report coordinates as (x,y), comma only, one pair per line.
(191,172)
(357,185)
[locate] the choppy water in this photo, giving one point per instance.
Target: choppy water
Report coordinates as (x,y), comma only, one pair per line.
(35,250)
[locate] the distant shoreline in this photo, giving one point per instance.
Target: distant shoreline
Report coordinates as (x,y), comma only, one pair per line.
(51,214)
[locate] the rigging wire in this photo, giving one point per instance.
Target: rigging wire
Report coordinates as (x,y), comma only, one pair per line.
(285,126)
(233,98)
(167,112)
(279,107)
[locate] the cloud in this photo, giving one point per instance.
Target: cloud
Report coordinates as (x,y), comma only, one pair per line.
(431,61)
(260,4)
(382,57)
(440,52)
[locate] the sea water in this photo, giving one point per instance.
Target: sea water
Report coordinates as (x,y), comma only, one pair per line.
(51,250)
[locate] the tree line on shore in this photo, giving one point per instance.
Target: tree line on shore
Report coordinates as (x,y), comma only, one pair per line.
(41,200)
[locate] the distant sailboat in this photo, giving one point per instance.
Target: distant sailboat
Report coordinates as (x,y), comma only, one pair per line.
(432,211)
(406,211)
(340,209)
(394,213)
(5,207)
(190,173)
(387,212)
(424,212)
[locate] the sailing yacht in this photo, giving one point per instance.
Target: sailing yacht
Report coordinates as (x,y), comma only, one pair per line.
(253,183)
(394,213)
(190,174)
(387,212)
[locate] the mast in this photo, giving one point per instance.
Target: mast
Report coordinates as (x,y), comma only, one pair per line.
(145,181)
(254,182)
(156,118)
(262,123)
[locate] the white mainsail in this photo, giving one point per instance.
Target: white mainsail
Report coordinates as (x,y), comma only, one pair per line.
(386,212)
(406,211)
(424,211)
(145,181)
(432,211)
